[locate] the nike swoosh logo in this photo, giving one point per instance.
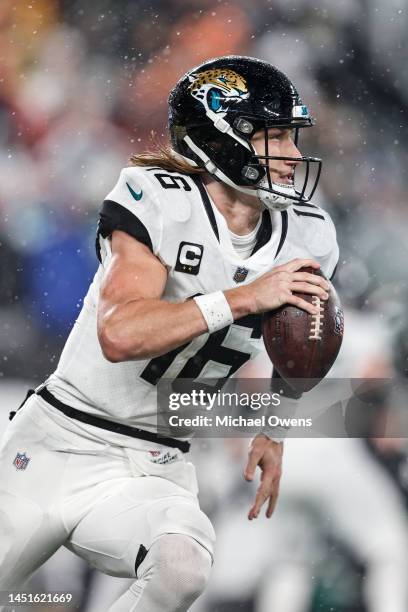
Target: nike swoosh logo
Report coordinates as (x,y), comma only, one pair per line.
(137,196)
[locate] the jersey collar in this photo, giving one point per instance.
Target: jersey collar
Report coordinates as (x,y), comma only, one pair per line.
(273,222)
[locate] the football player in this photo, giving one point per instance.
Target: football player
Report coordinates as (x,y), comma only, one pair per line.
(195,242)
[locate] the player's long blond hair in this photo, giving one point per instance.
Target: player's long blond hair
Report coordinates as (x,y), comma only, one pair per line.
(161,155)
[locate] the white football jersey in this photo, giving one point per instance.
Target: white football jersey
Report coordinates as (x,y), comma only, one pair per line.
(174,216)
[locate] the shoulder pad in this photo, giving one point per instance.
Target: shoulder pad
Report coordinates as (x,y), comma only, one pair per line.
(316,229)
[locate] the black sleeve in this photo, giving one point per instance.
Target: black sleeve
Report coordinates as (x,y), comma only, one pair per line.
(113,216)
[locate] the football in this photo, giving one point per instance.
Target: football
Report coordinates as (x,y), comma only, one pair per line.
(301,346)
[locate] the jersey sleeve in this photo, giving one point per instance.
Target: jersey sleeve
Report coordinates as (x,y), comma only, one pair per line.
(132,207)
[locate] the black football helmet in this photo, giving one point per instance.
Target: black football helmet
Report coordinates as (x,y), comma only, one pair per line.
(216,108)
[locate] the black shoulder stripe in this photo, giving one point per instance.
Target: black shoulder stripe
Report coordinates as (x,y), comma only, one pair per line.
(112,217)
(264,233)
(284,231)
(301,213)
(334,272)
(142,552)
(207,204)
(306,204)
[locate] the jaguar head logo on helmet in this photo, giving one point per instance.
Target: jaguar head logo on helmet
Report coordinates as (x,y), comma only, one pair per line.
(217,89)
(216,109)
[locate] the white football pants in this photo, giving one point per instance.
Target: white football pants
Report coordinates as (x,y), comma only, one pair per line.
(110,505)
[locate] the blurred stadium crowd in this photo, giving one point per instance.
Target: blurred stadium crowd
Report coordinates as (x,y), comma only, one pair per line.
(83,86)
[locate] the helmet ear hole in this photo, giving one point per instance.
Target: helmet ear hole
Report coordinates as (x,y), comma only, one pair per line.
(244,126)
(250,173)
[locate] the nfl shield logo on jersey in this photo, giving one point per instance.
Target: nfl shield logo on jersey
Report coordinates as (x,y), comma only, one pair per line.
(21,461)
(240,274)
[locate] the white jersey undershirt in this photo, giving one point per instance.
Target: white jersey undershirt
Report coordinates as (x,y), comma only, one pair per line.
(244,245)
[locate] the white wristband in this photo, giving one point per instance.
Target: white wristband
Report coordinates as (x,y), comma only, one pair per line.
(285,410)
(215,310)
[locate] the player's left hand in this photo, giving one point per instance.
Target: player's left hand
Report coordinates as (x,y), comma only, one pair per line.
(268,455)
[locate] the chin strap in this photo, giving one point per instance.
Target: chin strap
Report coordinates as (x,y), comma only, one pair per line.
(277,200)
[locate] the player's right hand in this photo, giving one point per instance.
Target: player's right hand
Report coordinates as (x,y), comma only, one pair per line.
(280,286)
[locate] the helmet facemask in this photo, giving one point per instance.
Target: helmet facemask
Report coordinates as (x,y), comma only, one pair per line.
(279,196)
